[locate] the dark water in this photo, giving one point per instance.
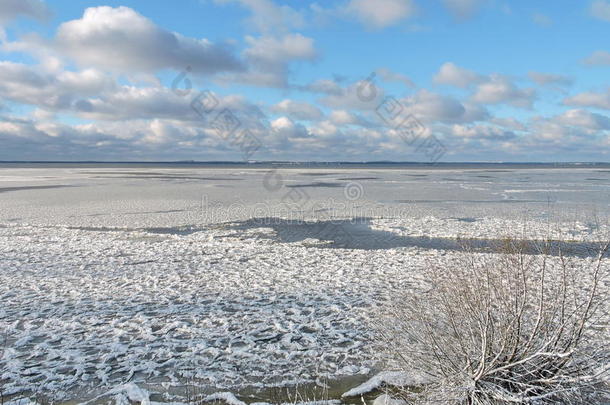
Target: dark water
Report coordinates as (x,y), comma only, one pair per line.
(358,234)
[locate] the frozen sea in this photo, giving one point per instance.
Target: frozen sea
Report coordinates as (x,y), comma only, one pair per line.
(133,280)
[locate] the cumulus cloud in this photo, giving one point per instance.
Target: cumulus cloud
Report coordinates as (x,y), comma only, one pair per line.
(137,120)
(454,75)
(434,107)
(50,140)
(389,76)
(288,128)
(322,86)
(11,9)
(25,84)
(90,94)
(120,39)
(463,9)
(129,102)
(600,9)
(590,99)
(573,130)
(500,90)
(325,129)
(482,131)
(343,117)
(584,119)
(273,50)
(268,16)
(598,58)
(381,13)
(424,104)
(510,123)
(544,79)
(163,139)
(548,131)
(298,110)
(495,88)
(269,58)
(360,95)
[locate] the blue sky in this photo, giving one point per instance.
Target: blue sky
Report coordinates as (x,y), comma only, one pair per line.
(485,80)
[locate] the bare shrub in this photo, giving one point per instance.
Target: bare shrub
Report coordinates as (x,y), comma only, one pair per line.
(505,328)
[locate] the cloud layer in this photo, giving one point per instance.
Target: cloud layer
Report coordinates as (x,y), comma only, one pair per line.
(11,9)
(100,87)
(122,40)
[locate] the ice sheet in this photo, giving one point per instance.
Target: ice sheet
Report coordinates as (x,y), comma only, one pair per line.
(131,277)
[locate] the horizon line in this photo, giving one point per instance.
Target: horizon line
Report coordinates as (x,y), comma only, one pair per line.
(254,162)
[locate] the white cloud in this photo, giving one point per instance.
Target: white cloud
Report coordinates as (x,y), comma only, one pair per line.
(18,128)
(163,132)
(482,131)
(434,107)
(599,58)
(548,131)
(590,99)
(463,9)
(343,117)
(361,95)
(298,110)
(93,95)
(474,112)
(54,90)
(162,139)
(10,9)
(273,50)
(129,103)
(283,130)
(325,129)
(584,119)
(323,86)
(119,39)
(49,140)
(600,9)
(498,90)
(544,79)
(390,76)
(510,123)
(146,120)
(269,58)
(426,105)
(282,123)
(454,75)
(268,16)
(381,13)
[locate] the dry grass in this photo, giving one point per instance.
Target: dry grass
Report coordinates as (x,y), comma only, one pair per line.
(508,328)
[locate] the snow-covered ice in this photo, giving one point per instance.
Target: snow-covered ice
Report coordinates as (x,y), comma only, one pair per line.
(386,378)
(129,282)
(385,399)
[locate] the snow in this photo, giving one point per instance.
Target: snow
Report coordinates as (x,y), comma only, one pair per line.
(385,399)
(126,287)
(226,397)
(131,393)
(386,378)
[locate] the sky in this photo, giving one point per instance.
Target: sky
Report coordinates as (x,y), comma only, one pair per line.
(346,80)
